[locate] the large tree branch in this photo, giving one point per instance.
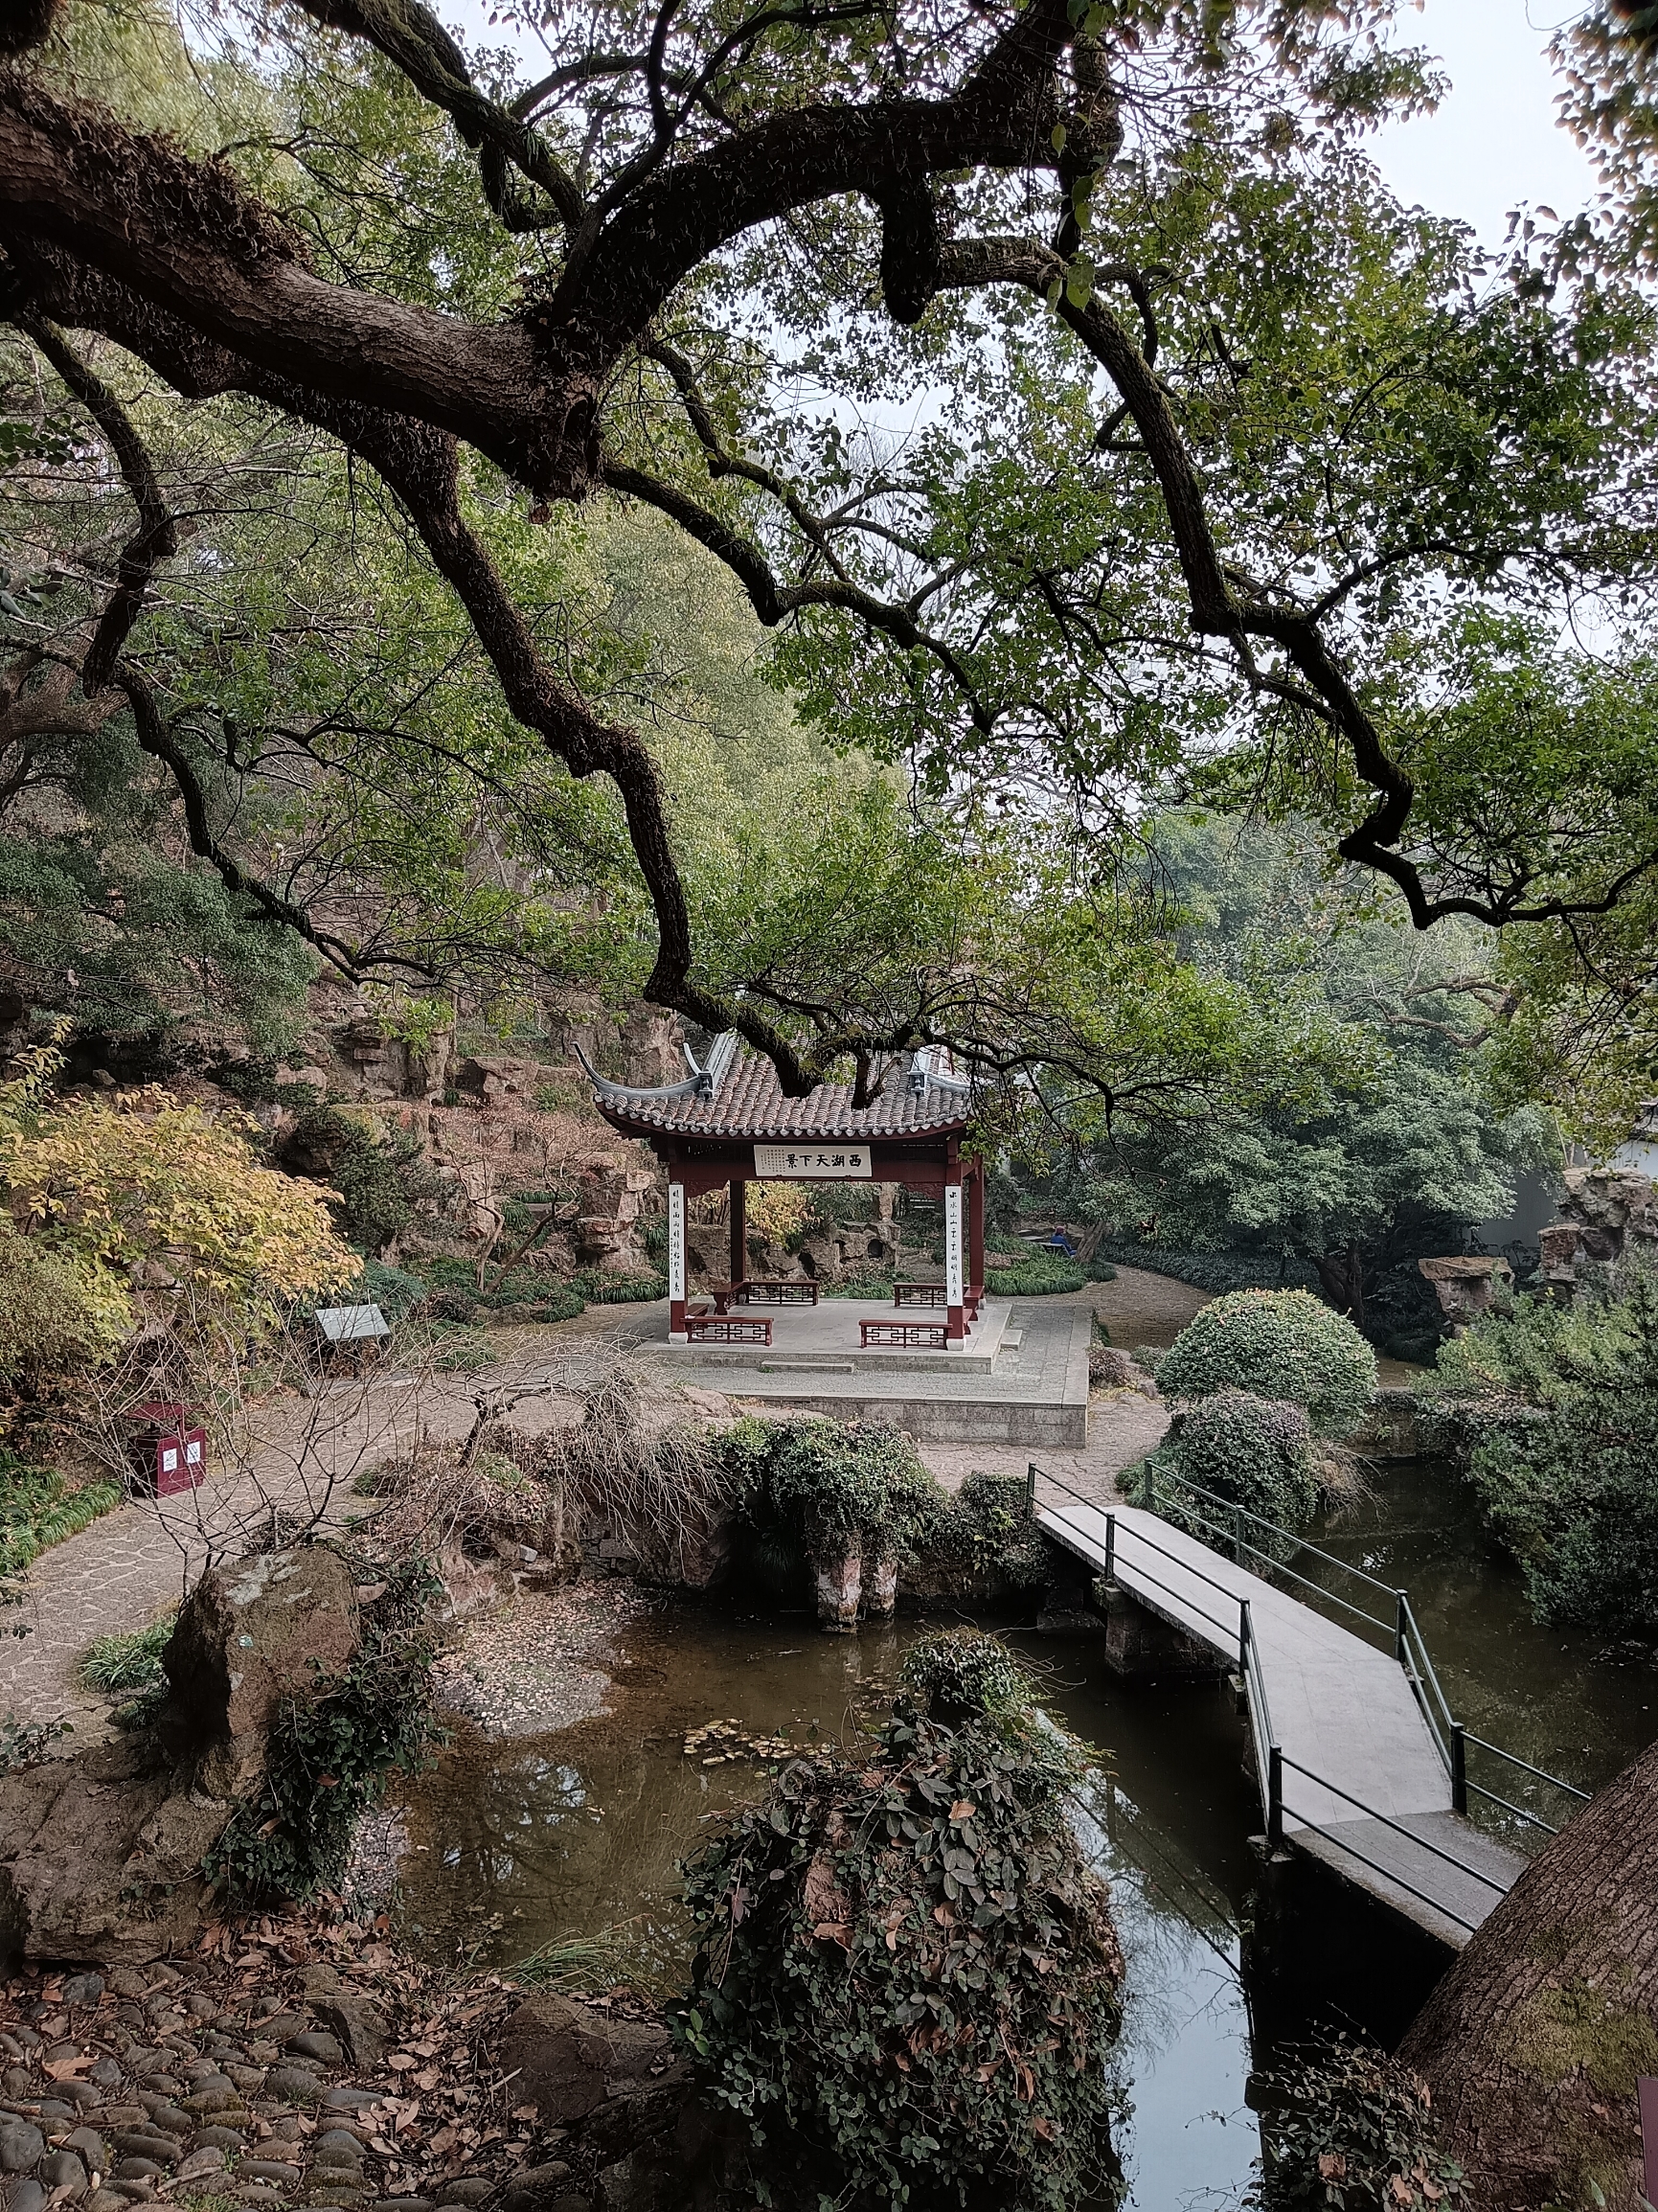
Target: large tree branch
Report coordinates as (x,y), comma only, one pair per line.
(77,189)
(156,537)
(409,34)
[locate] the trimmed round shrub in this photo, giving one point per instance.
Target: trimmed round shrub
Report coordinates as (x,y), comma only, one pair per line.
(1256,1452)
(1275,1344)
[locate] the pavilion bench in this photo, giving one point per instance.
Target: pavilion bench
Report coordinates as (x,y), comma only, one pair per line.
(929,1333)
(763,1291)
(919,1295)
(727,1329)
(775,1290)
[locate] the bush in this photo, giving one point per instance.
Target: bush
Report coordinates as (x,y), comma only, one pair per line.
(378,1172)
(959,1673)
(1558,1412)
(1042,1275)
(1276,1344)
(1217,1271)
(58,1316)
(905,1975)
(988,1530)
(1347,2129)
(330,1756)
(850,1486)
(1256,1453)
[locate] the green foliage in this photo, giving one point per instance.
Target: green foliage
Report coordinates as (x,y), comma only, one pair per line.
(988,1530)
(28,1743)
(393,1289)
(1043,1275)
(59,1316)
(905,1976)
(38,1509)
(1347,2129)
(1559,1411)
(1396,1155)
(378,1171)
(605,1290)
(1277,1344)
(129,1668)
(1256,1453)
(960,1674)
(116,1664)
(834,1486)
(1217,1271)
(332,1755)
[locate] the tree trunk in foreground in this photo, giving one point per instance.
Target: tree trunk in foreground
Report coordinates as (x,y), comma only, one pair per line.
(1533,2044)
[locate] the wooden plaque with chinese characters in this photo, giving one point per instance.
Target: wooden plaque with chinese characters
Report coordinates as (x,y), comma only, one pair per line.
(799,1162)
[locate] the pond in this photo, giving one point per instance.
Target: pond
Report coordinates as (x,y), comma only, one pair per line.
(574,1836)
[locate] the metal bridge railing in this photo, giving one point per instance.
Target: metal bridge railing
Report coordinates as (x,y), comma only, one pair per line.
(1227,1522)
(1450,1739)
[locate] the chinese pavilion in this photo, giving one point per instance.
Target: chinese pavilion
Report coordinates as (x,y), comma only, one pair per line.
(730,1124)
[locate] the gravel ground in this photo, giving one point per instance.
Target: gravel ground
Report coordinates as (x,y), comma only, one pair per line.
(289,2064)
(539,1663)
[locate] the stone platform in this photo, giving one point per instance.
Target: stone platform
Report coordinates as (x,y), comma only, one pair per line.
(1021,1378)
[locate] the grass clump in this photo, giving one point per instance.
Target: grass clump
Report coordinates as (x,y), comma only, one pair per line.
(129,1668)
(38,1509)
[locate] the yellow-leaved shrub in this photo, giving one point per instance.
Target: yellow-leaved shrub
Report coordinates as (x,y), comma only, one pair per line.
(148,1182)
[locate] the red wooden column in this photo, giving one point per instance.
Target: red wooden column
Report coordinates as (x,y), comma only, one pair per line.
(976,1236)
(738,1230)
(955,1288)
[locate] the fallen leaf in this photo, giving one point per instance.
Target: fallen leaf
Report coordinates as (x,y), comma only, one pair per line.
(1046,2129)
(66,2069)
(1331,2166)
(963,1809)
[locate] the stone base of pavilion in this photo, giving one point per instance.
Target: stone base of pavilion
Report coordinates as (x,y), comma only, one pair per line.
(830,1329)
(1021,1378)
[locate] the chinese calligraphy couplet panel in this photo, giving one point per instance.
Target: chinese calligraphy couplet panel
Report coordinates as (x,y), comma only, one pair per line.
(800,1162)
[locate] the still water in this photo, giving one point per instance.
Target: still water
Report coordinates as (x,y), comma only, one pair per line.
(575,1835)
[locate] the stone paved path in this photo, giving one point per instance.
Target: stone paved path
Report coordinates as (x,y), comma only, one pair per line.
(117,1575)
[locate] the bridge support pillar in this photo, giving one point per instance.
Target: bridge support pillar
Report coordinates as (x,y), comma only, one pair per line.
(1139,1643)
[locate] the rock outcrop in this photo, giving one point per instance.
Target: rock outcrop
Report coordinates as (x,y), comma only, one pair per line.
(101,1854)
(1603,1214)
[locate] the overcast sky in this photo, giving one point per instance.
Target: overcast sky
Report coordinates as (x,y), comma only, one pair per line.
(1493,142)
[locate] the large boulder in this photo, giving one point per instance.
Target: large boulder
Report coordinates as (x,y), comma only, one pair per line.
(570,2058)
(101,1854)
(250,1635)
(101,1857)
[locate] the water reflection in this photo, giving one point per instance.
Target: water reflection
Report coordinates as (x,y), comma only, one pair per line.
(520,1845)
(525,1845)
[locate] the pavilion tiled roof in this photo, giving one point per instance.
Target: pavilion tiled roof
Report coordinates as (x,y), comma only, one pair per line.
(748,1103)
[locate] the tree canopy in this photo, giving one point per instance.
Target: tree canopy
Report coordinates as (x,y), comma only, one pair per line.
(1398,1149)
(1058,385)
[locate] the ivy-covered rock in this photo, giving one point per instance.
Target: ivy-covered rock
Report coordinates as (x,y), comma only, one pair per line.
(906,1976)
(1282,1344)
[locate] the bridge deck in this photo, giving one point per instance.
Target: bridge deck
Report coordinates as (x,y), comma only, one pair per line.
(1342,1711)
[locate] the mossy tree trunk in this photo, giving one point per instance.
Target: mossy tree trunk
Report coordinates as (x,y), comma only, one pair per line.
(1533,2042)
